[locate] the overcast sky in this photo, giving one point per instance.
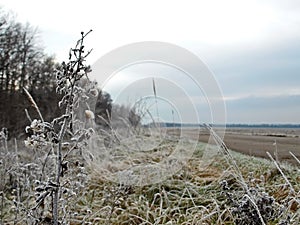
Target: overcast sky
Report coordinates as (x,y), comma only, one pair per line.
(252,47)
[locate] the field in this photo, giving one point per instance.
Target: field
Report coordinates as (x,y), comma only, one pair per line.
(257,141)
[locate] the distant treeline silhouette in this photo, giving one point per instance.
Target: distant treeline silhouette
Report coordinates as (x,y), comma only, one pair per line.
(229,125)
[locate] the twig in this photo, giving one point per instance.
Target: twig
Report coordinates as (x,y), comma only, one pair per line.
(18,202)
(28,116)
(280,170)
(156,104)
(276,151)
(257,209)
(226,152)
(295,157)
(33,103)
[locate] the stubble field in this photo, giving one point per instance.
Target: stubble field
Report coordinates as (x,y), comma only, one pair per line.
(255,141)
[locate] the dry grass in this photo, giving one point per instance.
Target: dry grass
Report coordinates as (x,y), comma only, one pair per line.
(195,194)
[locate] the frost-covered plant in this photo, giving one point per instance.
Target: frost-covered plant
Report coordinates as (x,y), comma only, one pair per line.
(3,139)
(243,207)
(45,182)
(65,138)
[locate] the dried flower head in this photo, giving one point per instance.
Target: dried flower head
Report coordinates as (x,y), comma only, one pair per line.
(94,92)
(89,115)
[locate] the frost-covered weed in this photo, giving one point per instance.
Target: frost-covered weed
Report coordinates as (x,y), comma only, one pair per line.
(47,186)
(243,208)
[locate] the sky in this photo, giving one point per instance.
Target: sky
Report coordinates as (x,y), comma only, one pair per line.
(252,48)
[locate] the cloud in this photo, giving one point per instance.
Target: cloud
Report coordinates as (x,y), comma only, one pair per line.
(270,69)
(279,109)
(253,48)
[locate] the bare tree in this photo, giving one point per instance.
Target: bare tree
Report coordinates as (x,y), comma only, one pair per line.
(22,65)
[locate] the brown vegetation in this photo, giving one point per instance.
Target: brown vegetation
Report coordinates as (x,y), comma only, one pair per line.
(257,141)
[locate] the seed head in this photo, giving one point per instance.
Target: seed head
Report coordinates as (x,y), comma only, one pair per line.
(94,92)
(89,115)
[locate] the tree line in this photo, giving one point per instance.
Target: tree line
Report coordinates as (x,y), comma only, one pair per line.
(24,64)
